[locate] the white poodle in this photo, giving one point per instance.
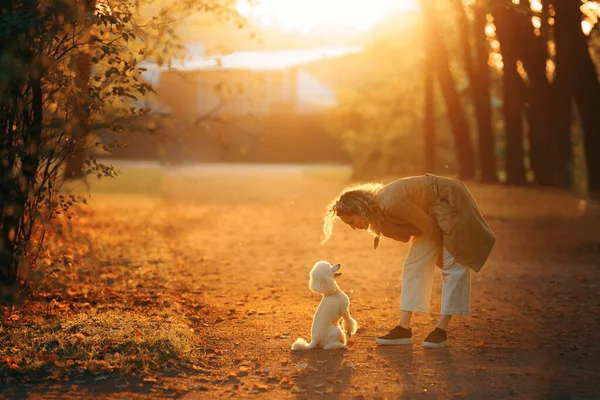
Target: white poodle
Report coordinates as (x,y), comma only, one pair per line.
(326,331)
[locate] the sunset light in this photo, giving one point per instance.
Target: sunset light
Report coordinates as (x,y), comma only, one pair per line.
(305,15)
(266,199)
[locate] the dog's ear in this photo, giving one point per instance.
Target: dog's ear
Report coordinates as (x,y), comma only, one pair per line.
(336,267)
(337,274)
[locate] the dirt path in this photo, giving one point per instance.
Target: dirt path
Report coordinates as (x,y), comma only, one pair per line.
(248,239)
(535,306)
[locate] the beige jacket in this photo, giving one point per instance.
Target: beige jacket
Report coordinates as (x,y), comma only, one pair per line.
(442,208)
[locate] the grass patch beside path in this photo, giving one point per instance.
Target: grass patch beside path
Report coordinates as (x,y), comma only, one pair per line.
(111,298)
(94,344)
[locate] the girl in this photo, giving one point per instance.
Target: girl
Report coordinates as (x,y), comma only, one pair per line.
(447,228)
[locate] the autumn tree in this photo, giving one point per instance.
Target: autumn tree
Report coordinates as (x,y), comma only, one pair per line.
(429,116)
(463,144)
(475,53)
(512,100)
(71,74)
(377,121)
(582,78)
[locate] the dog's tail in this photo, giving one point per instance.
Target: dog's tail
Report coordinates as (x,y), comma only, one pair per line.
(301,344)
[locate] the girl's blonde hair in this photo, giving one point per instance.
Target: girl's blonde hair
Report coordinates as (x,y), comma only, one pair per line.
(357,199)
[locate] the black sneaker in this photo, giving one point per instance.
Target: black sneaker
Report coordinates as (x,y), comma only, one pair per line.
(437,339)
(398,335)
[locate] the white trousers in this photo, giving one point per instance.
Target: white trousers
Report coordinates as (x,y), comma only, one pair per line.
(417,279)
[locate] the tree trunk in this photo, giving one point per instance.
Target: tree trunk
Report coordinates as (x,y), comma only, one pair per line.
(429,101)
(21,119)
(10,192)
(456,114)
(586,88)
(561,95)
(74,164)
(477,69)
(482,97)
(543,144)
(512,101)
(12,243)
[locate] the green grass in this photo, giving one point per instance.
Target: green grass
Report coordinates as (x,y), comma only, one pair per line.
(333,173)
(129,180)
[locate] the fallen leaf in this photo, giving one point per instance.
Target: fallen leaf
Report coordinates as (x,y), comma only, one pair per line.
(460,394)
(11,360)
(51,358)
(56,374)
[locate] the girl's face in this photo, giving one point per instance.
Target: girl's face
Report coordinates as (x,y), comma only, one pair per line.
(354,220)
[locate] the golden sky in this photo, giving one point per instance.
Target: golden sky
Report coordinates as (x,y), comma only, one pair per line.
(304,15)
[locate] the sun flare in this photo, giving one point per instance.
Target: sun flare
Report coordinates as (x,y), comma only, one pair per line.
(303,15)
